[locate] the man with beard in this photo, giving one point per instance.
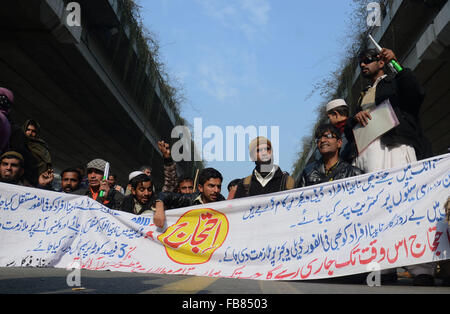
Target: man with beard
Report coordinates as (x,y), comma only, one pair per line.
(266,177)
(70,180)
(142,199)
(330,167)
(402,145)
(11,168)
(405,143)
(39,162)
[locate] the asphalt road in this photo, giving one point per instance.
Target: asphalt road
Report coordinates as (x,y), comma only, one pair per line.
(55,281)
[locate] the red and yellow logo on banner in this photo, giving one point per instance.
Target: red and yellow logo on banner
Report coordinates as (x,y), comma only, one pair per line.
(195,237)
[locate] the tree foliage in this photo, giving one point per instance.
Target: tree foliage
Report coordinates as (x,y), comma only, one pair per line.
(148,50)
(338,84)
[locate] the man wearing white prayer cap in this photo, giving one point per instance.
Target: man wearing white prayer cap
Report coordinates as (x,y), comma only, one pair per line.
(131,176)
(134,174)
(337,111)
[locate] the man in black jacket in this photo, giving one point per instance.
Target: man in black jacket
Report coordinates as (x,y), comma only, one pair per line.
(111,198)
(405,143)
(142,196)
(209,187)
(330,167)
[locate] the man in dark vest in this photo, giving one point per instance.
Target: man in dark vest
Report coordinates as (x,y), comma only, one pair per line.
(266,177)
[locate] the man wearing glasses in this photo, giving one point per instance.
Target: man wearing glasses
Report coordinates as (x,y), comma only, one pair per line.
(330,167)
(337,112)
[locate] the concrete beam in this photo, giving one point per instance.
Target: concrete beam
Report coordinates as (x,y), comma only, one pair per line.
(428,46)
(436,38)
(54,15)
(442,25)
(92,55)
(114,6)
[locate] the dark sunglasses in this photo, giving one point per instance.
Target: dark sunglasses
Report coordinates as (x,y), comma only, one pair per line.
(368,60)
(4,102)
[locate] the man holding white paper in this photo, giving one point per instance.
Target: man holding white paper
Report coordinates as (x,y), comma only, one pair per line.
(387,128)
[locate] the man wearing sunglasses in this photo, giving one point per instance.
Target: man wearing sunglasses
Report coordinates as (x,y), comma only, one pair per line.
(330,167)
(405,143)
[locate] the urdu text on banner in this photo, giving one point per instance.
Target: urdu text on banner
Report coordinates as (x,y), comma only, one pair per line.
(371,222)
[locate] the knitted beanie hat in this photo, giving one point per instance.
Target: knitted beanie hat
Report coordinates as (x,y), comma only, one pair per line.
(255,143)
(12,154)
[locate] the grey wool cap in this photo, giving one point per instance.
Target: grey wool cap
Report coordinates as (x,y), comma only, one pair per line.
(98,164)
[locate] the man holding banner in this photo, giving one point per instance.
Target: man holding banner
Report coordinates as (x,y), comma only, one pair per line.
(377,221)
(330,167)
(209,187)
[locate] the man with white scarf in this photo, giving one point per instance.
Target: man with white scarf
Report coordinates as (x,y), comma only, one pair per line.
(266,177)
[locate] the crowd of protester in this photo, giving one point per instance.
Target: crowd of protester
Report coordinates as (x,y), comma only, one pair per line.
(26,160)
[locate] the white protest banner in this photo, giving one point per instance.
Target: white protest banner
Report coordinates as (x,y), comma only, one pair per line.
(391,218)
